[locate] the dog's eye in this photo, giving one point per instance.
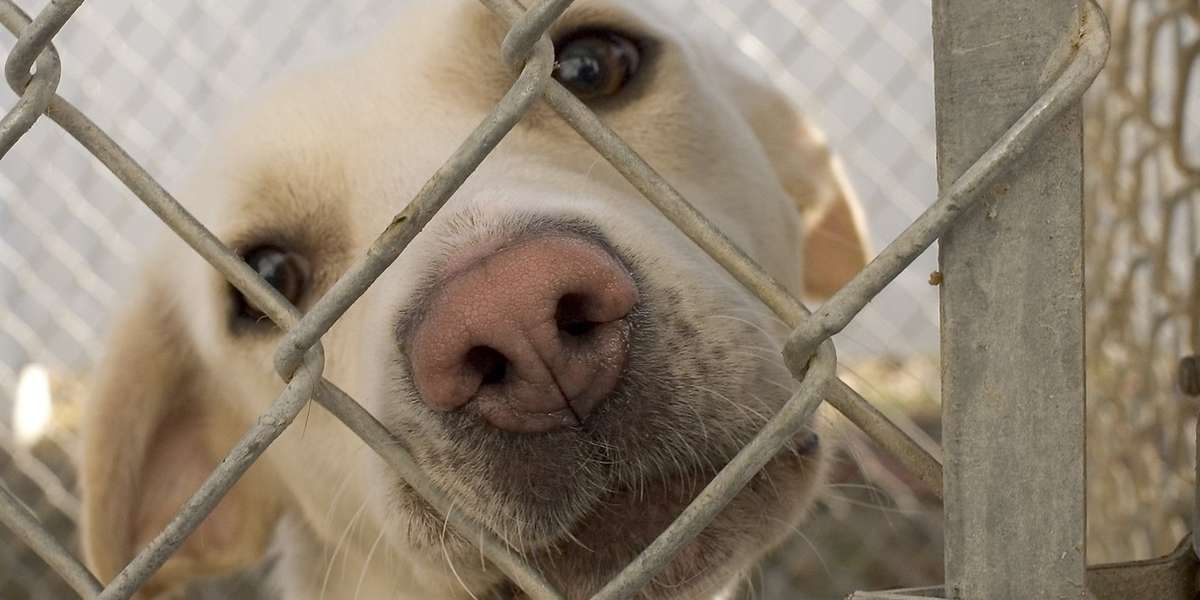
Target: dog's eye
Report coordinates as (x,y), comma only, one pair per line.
(593,64)
(285,271)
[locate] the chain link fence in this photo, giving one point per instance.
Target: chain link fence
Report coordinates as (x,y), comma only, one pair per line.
(158,75)
(1142,187)
(69,231)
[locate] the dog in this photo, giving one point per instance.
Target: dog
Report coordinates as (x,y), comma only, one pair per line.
(562,361)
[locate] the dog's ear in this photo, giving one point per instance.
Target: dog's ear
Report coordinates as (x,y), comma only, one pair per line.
(154,427)
(836,246)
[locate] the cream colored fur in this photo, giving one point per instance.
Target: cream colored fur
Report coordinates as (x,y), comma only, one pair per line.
(321,161)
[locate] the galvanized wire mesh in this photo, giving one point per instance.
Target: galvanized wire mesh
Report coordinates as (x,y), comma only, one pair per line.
(1142,188)
(157,76)
(300,358)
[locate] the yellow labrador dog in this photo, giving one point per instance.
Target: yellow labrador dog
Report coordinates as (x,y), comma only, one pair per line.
(562,361)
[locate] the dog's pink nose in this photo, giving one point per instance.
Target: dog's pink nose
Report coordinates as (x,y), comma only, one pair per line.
(535,335)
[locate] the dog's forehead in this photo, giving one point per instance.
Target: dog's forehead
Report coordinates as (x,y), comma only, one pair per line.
(471,25)
(435,57)
(469,35)
(333,142)
(409,96)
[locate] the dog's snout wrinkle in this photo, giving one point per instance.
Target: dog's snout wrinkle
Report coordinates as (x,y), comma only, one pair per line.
(534,335)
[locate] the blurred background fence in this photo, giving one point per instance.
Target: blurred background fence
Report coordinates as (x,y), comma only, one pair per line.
(158,75)
(1142,145)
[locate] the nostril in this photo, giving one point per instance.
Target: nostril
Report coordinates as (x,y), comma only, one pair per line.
(489,363)
(578,328)
(570,316)
(533,337)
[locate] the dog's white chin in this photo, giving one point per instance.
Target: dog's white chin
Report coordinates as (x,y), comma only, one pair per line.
(594,548)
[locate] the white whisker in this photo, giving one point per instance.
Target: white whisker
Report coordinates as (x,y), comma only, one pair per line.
(446,554)
(808,541)
(367,563)
(338,547)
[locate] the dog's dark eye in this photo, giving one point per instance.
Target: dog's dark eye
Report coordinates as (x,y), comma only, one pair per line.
(593,64)
(285,271)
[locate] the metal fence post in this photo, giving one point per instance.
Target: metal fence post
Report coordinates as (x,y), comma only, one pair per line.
(1012,309)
